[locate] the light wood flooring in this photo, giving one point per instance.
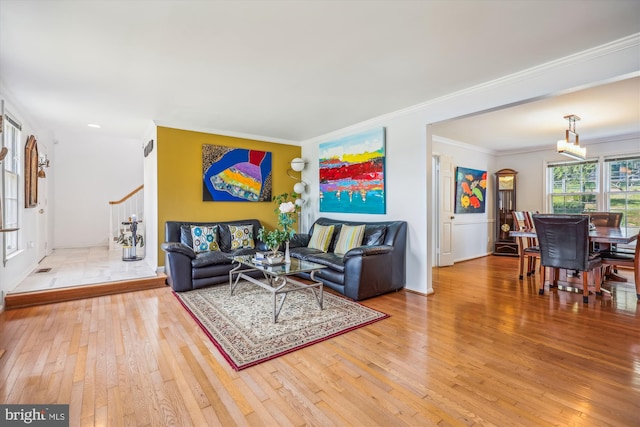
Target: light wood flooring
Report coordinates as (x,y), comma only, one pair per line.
(485,349)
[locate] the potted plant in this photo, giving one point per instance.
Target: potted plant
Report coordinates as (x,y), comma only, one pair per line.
(127,240)
(130,241)
(273,239)
(285,230)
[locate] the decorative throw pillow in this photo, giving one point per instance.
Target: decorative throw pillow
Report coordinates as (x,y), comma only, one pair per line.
(321,237)
(205,238)
(350,237)
(241,236)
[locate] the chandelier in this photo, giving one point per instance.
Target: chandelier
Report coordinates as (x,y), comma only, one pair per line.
(569,145)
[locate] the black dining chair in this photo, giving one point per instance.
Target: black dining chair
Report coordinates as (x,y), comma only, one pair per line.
(564,243)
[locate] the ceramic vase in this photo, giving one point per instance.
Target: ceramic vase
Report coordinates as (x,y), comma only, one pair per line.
(287,258)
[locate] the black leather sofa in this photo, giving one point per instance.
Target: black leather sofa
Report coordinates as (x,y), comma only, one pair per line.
(187,270)
(375,268)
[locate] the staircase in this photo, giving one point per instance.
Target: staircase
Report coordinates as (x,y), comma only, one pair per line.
(121,211)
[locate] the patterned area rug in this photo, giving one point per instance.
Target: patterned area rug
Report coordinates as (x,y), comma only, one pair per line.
(241,326)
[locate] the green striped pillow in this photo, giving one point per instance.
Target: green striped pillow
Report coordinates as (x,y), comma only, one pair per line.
(350,237)
(321,237)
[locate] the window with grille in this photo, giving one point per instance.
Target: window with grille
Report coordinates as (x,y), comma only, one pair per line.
(622,189)
(11,166)
(573,187)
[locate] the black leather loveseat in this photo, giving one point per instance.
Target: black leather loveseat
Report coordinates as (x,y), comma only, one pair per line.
(187,270)
(376,267)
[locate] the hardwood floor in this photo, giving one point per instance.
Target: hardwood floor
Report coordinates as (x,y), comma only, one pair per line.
(485,349)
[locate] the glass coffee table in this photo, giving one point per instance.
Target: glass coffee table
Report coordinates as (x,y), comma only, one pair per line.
(279,279)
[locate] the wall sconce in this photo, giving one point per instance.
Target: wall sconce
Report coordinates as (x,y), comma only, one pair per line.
(43,162)
(298,165)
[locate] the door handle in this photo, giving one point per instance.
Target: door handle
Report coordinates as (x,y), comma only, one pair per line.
(41,211)
(453,217)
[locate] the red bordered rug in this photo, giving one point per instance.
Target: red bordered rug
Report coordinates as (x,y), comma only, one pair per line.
(241,326)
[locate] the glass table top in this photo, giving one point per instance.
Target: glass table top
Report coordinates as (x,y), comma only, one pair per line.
(296,265)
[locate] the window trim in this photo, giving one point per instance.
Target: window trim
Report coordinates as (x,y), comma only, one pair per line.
(606,179)
(602,190)
(549,181)
(8,121)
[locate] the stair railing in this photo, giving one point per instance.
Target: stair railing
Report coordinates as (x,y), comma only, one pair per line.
(121,211)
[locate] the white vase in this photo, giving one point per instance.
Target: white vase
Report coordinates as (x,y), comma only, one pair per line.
(287,258)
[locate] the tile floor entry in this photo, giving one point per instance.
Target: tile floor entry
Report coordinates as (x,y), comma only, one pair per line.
(82,266)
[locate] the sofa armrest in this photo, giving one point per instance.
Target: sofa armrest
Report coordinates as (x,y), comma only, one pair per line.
(369,272)
(368,251)
(178,247)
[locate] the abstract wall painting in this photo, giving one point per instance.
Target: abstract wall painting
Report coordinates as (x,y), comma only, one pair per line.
(471,188)
(352,173)
(235,174)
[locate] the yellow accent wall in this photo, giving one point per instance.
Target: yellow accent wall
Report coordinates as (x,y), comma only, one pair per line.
(180,180)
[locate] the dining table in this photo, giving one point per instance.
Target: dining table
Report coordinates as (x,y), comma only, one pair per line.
(605,237)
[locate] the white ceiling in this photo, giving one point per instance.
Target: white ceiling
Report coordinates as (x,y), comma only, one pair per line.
(286,70)
(606,111)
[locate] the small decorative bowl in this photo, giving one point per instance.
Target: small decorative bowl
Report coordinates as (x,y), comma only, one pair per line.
(273,259)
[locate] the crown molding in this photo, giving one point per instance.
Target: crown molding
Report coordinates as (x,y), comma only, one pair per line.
(630,41)
(225,133)
(586,142)
(464,145)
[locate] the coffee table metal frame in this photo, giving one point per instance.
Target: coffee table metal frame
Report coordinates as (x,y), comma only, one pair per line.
(279,279)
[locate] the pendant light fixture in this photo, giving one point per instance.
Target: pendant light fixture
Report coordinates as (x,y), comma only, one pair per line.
(569,146)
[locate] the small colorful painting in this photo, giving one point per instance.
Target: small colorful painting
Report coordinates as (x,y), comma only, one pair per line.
(235,174)
(471,188)
(352,173)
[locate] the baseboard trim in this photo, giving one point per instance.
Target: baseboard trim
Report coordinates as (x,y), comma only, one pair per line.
(411,291)
(28,299)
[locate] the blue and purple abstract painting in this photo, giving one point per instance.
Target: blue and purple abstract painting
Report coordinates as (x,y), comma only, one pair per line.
(235,174)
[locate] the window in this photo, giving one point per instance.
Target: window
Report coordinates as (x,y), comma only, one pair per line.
(622,189)
(11,166)
(573,187)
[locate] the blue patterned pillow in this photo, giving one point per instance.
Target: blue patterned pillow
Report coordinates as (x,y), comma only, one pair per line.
(205,238)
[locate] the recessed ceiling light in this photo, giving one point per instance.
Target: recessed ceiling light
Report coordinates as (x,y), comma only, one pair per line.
(91,125)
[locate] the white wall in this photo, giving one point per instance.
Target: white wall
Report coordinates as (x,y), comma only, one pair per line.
(409,148)
(88,173)
(472,232)
(30,234)
(531,167)
(151,198)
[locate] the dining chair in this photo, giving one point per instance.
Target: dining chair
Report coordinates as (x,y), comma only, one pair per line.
(605,219)
(622,259)
(527,249)
(564,243)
